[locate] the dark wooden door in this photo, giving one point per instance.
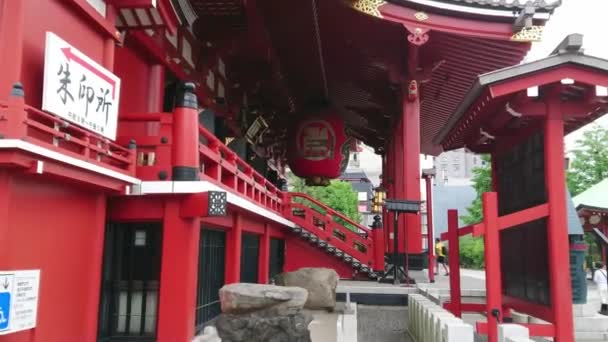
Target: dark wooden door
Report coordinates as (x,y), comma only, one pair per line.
(250,253)
(211,267)
(130,282)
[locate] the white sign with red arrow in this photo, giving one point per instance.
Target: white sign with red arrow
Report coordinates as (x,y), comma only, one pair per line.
(78,89)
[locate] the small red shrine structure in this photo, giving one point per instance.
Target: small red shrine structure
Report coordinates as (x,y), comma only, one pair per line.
(520,115)
(143,144)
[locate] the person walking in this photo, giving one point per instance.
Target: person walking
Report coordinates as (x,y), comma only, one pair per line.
(441,252)
(600,278)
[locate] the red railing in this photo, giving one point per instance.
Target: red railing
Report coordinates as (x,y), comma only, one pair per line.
(31,124)
(331,226)
(223,167)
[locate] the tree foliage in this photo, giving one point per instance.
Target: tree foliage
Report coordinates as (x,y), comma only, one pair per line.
(338,195)
(472,248)
(482,182)
(590,160)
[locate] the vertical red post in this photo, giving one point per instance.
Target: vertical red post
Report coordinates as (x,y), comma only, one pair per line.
(429,227)
(557,225)
(411,169)
(492,259)
(156,88)
(378,236)
(11,43)
(454,262)
(185,155)
(234,239)
(109,43)
(179,274)
(264,259)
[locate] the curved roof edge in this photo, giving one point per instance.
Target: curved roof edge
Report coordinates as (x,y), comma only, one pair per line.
(594,197)
(492,8)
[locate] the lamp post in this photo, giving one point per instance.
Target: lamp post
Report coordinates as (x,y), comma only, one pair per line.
(377,229)
(397,267)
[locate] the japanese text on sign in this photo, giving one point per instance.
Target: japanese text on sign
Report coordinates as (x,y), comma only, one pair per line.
(18,300)
(78,89)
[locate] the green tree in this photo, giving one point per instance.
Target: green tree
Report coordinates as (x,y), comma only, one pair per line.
(472,248)
(482,182)
(338,195)
(590,160)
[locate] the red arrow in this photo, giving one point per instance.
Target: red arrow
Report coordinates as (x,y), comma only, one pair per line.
(67,51)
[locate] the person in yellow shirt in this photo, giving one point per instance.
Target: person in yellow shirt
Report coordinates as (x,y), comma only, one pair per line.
(440,253)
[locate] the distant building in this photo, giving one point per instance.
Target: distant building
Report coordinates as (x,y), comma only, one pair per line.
(365,193)
(456,167)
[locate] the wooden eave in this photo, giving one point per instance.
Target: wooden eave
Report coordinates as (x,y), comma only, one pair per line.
(489,96)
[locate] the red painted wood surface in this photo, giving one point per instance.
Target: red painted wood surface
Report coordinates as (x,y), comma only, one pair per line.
(557,224)
(429,226)
(299,253)
(492,263)
(179,274)
(454,260)
(58,229)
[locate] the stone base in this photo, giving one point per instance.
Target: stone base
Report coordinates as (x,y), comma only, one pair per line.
(261,327)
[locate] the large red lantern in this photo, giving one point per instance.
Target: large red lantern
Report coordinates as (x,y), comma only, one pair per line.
(318,148)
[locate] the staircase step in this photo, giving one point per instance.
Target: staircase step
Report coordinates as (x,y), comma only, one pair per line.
(320,243)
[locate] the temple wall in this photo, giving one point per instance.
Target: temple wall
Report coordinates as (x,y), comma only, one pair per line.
(57,228)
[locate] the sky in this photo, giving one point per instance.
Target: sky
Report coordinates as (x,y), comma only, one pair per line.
(587,17)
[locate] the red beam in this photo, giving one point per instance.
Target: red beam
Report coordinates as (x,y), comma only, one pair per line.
(474,229)
(102,23)
(436,22)
(536,310)
(523,216)
(578,74)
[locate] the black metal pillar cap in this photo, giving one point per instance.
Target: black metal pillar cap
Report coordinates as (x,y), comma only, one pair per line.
(17,90)
(185,96)
(377,222)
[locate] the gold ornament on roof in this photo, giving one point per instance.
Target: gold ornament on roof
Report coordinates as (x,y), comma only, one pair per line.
(421,16)
(369,7)
(529,34)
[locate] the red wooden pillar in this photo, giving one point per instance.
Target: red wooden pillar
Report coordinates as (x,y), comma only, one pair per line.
(179,274)
(11,44)
(379,243)
(557,228)
(390,193)
(185,156)
(411,170)
(429,227)
(492,259)
(234,239)
(264,259)
(156,88)
(454,262)
(109,43)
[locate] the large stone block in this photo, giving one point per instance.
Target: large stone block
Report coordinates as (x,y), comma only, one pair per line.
(265,326)
(321,284)
(246,298)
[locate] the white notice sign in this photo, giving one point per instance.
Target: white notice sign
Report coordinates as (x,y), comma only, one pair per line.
(78,89)
(18,300)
